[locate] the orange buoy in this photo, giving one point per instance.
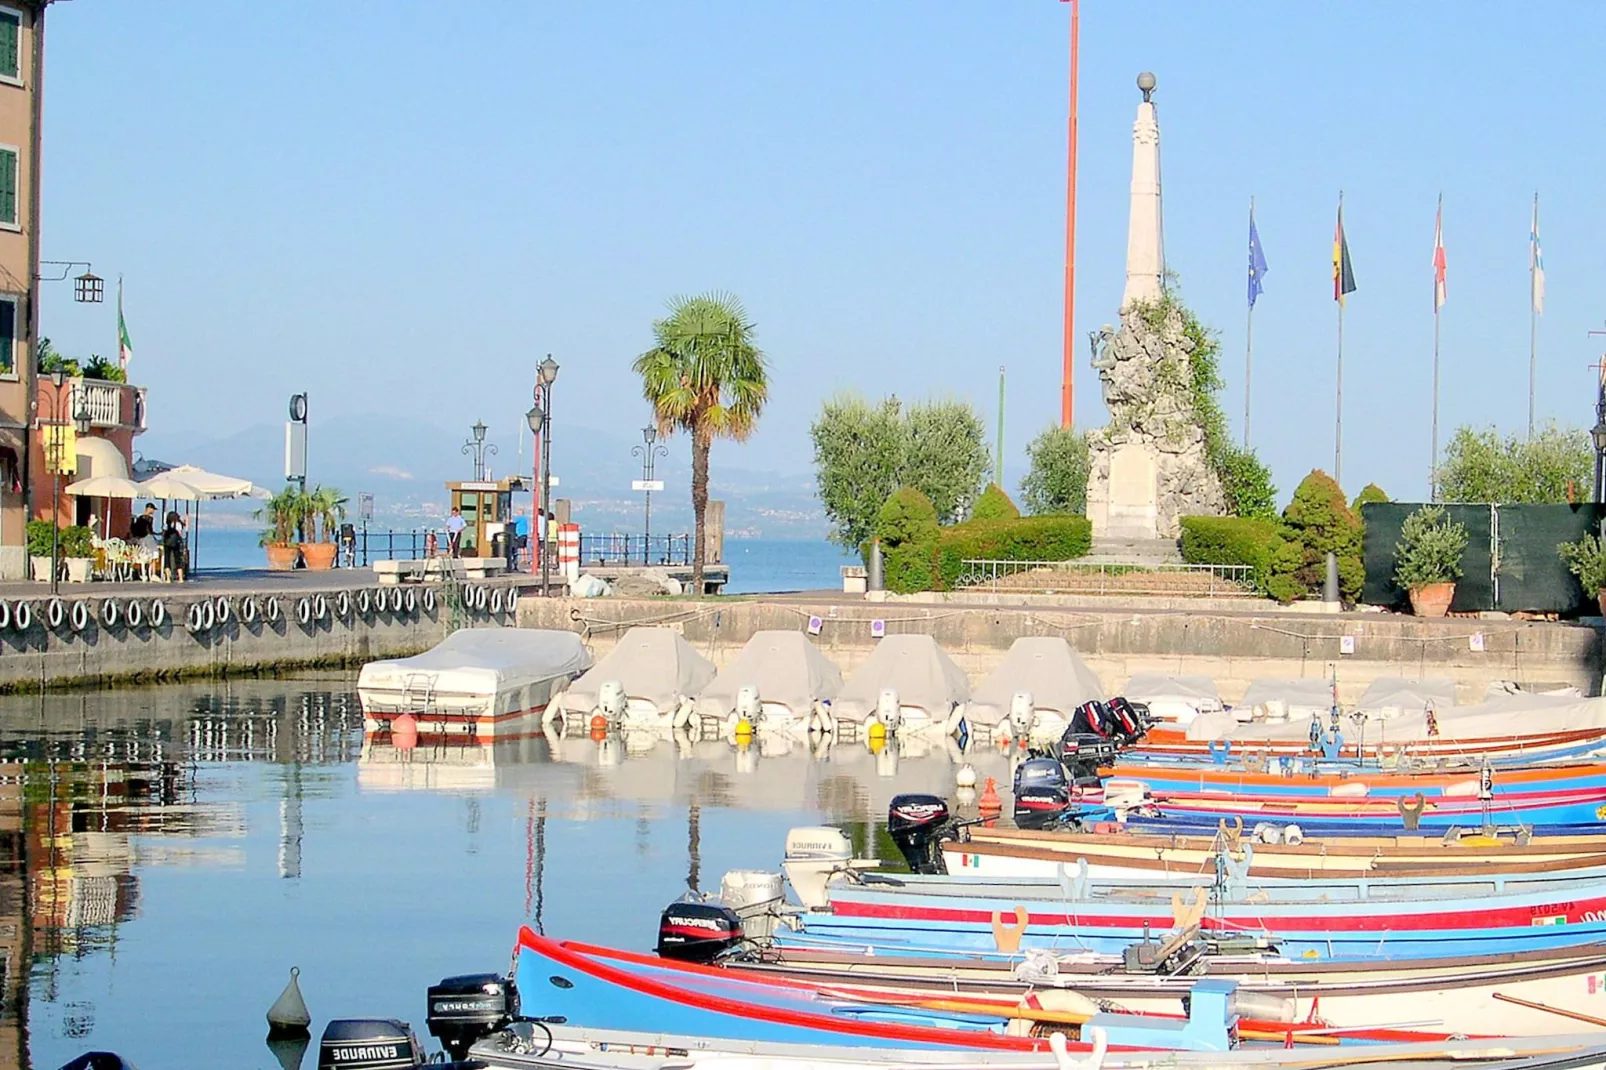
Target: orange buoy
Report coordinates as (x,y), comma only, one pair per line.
(599,721)
(599,732)
(404,732)
(989,802)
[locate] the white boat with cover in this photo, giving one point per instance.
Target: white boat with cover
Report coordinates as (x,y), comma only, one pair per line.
(1174,698)
(483,682)
(647,680)
(1034,691)
(908,684)
(778,682)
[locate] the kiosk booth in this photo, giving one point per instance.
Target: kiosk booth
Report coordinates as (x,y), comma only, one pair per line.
(487,508)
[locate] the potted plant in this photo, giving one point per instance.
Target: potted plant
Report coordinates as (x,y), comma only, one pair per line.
(1427,560)
(283,512)
(41,538)
(325,509)
(1586,559)
(77,547)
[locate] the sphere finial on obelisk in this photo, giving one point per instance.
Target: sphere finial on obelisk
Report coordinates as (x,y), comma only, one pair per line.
(1145,257)
(1146,83)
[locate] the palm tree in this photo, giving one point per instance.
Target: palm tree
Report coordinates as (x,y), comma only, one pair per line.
(705,376)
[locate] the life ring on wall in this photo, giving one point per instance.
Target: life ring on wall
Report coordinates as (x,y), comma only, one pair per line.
(270,609)
(481,596)
(55,612)
(223,609)
(108,613)
(80,616)
(396,599)
(248,609)
(412,601)
(192,618)
(208,616)
(429,599)
(343,604)
(158,613)
(364,602)
(303,610)
(136,615)
(23,617)
(320,607)
(5,615)
(496,602)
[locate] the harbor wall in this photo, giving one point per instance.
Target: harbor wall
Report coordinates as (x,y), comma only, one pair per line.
(1232,648)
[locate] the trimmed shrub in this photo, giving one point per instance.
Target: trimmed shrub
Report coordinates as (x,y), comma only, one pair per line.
(41,535)
(1037,538)
(907,528)
(1320,521)
(1369,494)
(1230,540)
(994,504)
(1429,550)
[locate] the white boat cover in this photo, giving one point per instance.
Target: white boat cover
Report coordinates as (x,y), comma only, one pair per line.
(1046,667)
(1302,697)
(1497,717)
(1390,696)
(785,667)
(922,672)
(654,665)
(482,661)
(1174,698)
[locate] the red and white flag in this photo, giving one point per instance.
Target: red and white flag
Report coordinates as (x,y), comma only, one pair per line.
(1439,289)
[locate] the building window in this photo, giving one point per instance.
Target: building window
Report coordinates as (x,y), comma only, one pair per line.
(8,336)
(10,45)
(8,187)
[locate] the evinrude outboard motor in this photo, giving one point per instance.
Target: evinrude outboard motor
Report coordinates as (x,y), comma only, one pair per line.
(919,824)
(369,1044)
(690,931)
(1042,793)
(468,1008)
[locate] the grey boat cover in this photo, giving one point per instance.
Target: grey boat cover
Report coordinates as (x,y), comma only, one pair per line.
(785,667)
(1390,696)
(1044,665)
(482,661)
(923,674)
(654,665)
(1496,717)
(1174,698)
(1302,697)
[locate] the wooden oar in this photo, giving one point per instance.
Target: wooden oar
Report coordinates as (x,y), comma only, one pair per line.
(1587,1019)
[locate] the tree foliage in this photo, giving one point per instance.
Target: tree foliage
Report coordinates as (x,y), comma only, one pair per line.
(1429,550)
(1057,479)
(704,375)
(1319,521)
(994,504)
(947,455)
(1369,494)
(1585,559)
(1251,495)
(907,528)
(1481,466)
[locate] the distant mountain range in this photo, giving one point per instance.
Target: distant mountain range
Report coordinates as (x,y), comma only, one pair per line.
(405,462)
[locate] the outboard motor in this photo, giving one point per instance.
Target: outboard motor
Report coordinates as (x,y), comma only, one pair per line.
(1089,718)
(1042,793)
(369,1044)
(888,710)
(1083,754)
(612,701)
(1022,713)
(468,1008)
(690,931)
(749,707)
(1131,725)
(919,824)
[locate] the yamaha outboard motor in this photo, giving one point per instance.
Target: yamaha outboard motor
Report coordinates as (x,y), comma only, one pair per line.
(369,1044)
(919,824)
(689,931)
(1042,793)
(468,1008)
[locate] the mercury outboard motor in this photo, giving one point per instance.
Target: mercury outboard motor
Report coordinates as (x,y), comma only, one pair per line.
(369,1044)
(468,1008)
(1042,793)
(1090,718)
(689,931)
(1131,717)
(919,824)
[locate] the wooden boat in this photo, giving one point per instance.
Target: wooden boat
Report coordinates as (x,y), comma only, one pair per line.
(1166,741)
(1576,807)
(1334,781)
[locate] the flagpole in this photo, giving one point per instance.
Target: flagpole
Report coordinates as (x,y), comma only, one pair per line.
(1438,239)
(1533,317)
(1338,421)
(1249,340)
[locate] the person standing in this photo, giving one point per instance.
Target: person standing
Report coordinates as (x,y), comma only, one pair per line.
(173,549)
(454,532)
(143,526)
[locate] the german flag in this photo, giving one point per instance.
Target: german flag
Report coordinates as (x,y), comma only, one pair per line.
(1343,274)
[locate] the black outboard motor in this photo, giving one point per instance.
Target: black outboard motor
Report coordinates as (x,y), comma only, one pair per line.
(1132,724)
(919,824)
(697,932)
(1083,754)
(468,1008)
(1042,793)
(1091,718)
(369,1044)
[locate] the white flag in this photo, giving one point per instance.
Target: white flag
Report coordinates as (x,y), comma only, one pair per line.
(1536,263)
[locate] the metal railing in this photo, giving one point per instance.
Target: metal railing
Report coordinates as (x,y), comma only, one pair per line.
(390,545)
(1107,577)
(619,549)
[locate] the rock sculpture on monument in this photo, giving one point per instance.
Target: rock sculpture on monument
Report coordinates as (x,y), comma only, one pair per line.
(1150,466)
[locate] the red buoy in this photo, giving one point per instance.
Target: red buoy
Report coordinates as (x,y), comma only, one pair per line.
(404,732)
(989,803)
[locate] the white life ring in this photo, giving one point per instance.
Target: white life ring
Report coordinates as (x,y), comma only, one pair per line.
(364,602)
(192,618)
(224,610)
(496,602)
(481,596)
(80,616)
(395,599)
(158,613)
(5,615)
(108,613)
(208,615)
(248,609)
(429,599)
(136,615)
(303,610)
(55,612)
(23,617)
(343,604)
(271,610)
(412,601)
(320,607)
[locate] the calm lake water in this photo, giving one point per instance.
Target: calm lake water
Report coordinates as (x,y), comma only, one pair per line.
(171,852)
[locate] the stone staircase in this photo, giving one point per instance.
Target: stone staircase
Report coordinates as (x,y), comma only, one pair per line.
(1120,551)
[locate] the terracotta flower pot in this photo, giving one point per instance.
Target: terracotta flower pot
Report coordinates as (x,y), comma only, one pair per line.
(282,557)
(319,555)
(1600,599)
(1432,599)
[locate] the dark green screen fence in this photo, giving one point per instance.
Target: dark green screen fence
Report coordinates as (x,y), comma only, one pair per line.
(1510,562)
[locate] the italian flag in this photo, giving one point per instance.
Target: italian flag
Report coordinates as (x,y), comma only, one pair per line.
(125,346)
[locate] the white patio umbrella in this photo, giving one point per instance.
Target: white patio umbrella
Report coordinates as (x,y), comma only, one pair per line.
(167,487)
(214,485)
(104,487)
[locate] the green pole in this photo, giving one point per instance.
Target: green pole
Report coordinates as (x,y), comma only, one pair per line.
(998,457)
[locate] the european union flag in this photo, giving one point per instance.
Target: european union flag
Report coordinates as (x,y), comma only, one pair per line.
(1257,260)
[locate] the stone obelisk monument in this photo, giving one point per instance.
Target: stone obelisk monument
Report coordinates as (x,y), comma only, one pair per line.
(1148,468)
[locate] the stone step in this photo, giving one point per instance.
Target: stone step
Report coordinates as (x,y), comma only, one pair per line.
(1134,551)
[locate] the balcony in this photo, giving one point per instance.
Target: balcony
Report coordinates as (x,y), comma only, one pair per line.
(110,405)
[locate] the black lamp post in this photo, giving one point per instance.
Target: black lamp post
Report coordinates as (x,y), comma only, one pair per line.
(547,373)
(53,461)
(477,446)
(649,451)
(1598,433)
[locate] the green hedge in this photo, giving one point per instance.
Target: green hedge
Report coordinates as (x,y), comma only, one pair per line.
(1034,538)
(1229,540)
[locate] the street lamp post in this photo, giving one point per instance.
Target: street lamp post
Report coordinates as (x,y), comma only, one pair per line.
(1598,433)
(649,451)
(477,446)
(548,373)
(53,459)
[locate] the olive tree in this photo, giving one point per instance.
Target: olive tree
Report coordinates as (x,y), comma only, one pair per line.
(1554,466)
(1057,479)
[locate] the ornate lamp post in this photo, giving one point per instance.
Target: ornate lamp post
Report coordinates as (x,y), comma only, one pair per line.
(540,420)
(59,404)
(649,451)
(1598,433)
(477,446)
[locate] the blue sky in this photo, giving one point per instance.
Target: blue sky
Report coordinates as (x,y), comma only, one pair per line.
(401,206)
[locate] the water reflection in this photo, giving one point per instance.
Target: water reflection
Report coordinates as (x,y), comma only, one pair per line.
(166,854)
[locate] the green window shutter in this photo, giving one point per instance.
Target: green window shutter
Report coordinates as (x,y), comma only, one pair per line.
(8,186)
(8,336)
(10,46)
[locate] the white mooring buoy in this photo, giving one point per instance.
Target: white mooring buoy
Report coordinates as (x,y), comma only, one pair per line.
(288,1016)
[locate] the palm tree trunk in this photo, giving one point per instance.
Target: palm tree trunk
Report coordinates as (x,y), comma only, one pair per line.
(700,441)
